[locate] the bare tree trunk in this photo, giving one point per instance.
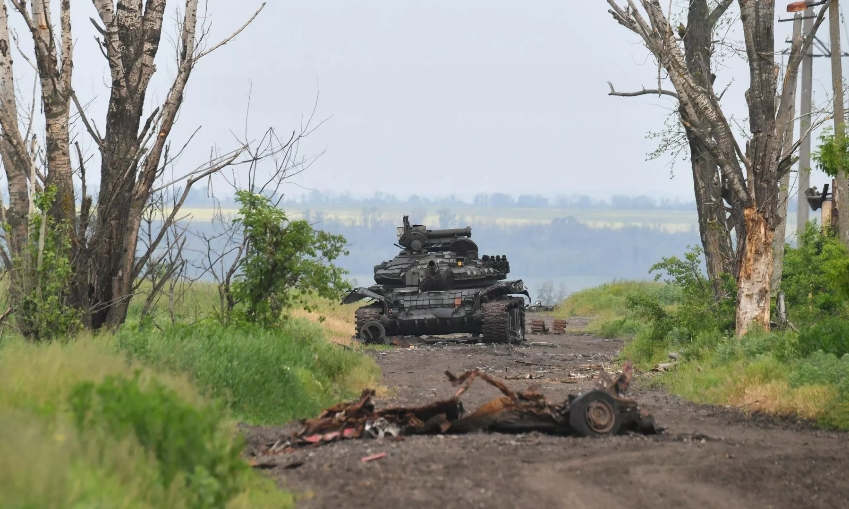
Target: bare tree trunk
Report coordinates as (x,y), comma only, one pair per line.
(753,283)
(55,79)
(12,145)
(713,227)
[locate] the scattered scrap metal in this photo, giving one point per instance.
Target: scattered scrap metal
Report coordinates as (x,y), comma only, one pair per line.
(558,327)
(603,410)
(538,327)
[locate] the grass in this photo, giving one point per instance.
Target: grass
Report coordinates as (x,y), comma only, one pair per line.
(189,381)
(267,376)
(605,305)
(47,461)
(764,372)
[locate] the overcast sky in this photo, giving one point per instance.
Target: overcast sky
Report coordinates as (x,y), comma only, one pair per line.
(436,98)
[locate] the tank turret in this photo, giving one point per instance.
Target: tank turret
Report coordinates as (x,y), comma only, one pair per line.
(450,252)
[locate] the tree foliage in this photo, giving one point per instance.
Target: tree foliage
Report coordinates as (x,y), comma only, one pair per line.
(285,263)
(816,276)
(44,274)
(832,155)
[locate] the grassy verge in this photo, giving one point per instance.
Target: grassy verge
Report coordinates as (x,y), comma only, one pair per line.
(82,427)
(146,417)
(267,376)
(780,373)
(606,306)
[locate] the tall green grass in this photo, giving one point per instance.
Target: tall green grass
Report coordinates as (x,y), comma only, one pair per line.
(606,306)
(267,376)
(49,459)
(782,373)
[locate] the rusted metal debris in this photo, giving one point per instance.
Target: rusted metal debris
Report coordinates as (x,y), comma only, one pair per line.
(558,327)
(538,327)
(603,410)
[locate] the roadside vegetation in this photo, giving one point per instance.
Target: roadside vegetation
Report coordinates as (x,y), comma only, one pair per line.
(145,416)
(800,367)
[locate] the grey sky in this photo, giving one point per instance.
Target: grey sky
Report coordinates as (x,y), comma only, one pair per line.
(435,98)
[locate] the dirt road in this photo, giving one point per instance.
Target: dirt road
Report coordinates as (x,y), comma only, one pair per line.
(707,457)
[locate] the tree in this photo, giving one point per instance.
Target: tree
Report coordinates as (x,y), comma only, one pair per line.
(752,175)
(133,145)
(710,189)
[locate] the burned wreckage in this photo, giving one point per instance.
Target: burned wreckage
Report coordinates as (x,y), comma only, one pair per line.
(438,284)
(603,410)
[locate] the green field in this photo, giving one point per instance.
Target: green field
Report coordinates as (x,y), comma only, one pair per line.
(671,221)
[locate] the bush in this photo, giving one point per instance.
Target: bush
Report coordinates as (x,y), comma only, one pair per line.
(267,375)
(42,277)
(285,263)
(186,441)
(830,335)
(823,369)
(816,277)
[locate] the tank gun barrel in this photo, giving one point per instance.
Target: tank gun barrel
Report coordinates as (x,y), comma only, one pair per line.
(448,233)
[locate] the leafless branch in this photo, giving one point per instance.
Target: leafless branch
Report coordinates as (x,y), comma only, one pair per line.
(644,91)
(231,36)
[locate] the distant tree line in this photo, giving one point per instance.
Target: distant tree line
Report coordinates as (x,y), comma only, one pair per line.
(562,247)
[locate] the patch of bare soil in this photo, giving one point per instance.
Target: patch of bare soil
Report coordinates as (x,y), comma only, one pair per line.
(707,457)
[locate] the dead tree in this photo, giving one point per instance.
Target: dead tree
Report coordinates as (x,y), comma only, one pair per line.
(104,234)
(715,223)
(751,173)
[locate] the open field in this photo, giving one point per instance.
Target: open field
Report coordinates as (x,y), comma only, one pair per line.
(670,221)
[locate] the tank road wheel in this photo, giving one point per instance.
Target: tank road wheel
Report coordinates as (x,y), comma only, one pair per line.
(366,315)
(503,321)
(373,332)
(595,413)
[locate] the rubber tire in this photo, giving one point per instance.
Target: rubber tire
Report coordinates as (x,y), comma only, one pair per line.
(367,338)
(578,414)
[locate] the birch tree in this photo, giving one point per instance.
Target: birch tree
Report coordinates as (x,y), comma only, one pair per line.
(711,189)
(751,172)
(133,147)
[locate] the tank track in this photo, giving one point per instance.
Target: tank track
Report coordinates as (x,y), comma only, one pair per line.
(496,321)
(365,314)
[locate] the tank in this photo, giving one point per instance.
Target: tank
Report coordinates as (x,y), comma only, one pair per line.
(438,284)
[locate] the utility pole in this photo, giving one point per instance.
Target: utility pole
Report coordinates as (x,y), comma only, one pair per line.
(804,176)
(784,188)
(841,194)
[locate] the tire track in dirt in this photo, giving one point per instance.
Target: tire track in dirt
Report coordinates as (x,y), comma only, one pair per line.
(707,457)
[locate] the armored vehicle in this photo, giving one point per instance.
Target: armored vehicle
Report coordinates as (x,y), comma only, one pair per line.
(438,284)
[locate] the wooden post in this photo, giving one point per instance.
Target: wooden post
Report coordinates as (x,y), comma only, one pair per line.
(829,212)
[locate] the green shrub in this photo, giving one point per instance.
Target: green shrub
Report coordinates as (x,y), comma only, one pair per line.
(284,263)
(267,375)
(823,369)
(42,275)
(648,308)
(816,277)
(617,328)
(185,440)
(830,335)
(783,345)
